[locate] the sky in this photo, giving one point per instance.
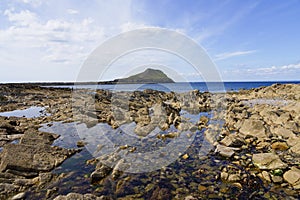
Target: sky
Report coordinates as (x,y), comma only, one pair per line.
(50,40)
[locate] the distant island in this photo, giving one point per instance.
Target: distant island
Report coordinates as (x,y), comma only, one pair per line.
(148,76)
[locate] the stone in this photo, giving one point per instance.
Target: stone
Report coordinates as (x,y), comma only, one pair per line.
(233,140)
(100,173)
(19,196)
(281,146)
(295,149)
(283,132)
(234,177)
(190,198)
(224,151)
(293,177)
(185,156)
(161,194)
(268,161)
(277,179)
(254,128)
(202,188)
(266,176)
(203,120)
(224,176)
(31,158)
(81,143)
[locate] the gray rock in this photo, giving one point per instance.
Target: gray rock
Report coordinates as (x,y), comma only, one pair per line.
(224,151)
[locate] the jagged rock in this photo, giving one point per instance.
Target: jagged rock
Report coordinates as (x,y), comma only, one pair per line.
(100,173)
(268,161)
(233,140)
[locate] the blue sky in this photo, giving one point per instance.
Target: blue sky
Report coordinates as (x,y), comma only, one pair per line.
(247,40)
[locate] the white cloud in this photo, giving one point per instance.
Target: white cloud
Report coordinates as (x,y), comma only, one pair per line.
(34,3)
(226,55)
(23,18)
(72,11)
(280,72)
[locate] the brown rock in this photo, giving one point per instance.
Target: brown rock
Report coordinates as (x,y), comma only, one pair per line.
(282,146)
(283,132)
(233,140)
(268,161)
(32,158)
(254,128)
(293,177)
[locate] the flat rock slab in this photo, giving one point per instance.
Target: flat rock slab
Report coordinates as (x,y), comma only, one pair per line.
(293,177)
(28,158)
(254,128)
(224,151)
(268,161)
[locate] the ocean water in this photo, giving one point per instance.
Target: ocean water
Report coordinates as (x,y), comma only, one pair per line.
(180,86)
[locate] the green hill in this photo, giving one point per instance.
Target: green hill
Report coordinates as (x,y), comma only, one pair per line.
(148,76)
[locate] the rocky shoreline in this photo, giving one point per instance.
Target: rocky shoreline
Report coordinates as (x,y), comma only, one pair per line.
(253,138)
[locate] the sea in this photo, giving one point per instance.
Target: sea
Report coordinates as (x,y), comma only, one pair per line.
(214,87)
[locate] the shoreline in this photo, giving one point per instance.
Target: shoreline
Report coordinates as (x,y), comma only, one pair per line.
(256,145)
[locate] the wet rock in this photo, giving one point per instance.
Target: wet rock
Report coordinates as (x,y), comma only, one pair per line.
(203,121)
(224,151)
(190,198)
(161,194)
(19,196)
(81,143)
(100,173)
(268,161)
(76,196)
(293,177)
(254,128)
(234,177)
(6,188)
